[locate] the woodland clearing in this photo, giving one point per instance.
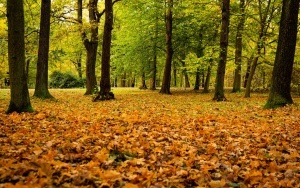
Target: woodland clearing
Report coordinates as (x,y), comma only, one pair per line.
(145,139)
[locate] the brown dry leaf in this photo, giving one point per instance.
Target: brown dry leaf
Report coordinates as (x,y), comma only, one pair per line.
(182,140)
(130,185)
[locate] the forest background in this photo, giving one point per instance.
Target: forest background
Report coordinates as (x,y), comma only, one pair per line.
(139,40)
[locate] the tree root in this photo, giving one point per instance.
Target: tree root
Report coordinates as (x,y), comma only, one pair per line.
(101,96)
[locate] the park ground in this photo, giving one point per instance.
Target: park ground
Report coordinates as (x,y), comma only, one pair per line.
(146,139)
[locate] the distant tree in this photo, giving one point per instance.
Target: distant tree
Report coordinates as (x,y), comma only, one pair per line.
(19,95)
(41,86)
(166,83)
(280,94)
(219,88)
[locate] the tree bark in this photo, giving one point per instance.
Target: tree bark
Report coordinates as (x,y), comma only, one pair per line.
(207,80)
(154,62)
(280,93)
(105,86)
(143,81)
(165,89)
(248,71)
(19,95)
(238,49)
(41,86)
(197,80)
(91,45)
(219,88)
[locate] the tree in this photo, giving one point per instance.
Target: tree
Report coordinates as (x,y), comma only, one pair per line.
(280,94)
(91,45)
(19,95)
(265,16)
(165,88)
(239,48)
(105,87)
(41,86)
(219,88)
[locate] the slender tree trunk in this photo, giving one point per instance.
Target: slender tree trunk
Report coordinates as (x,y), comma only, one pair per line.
(79,65)
(219,89)
(251,75)
(19,95)
(197,80)
(153,72)
(266,15)
(41,86)
(105,86)
(165,89)
(238,49)
(280,93)
(207,80)
(185,74)
(248,70)
(174,74)
(143,82)
(154,63)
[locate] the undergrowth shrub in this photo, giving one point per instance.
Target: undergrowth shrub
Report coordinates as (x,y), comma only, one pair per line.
(65,80)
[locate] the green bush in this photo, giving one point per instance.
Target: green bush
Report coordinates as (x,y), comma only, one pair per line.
(65,80)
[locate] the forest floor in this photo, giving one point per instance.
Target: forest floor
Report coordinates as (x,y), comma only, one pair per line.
(145,139)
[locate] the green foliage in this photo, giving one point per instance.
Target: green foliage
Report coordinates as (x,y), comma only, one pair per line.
(65,80)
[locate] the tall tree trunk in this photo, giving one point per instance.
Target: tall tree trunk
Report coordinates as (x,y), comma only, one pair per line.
(251,75)
(280,93)
(174,74)
(91,45)
(105,86)
(41,86)
(197,80)
(165,89)
(153,73)
(79,64)
(238,49)
(185,74)
(19,95)
(266,15)
(219,89)
(248,70)
(154,62)
(143,82)
(207,79)
(91,82)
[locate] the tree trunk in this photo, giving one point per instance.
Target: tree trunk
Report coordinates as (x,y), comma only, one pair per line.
(207,80)
(280,93)
(251,75)
(153,73)
(105,86)
(219,88)
(266,15)
(19,95)
(248,71)
(79,64)
(165,89)
(143,82)
(154,62)
(238,49)
(41,86)
(197,80)
(91,45)
(91,82)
